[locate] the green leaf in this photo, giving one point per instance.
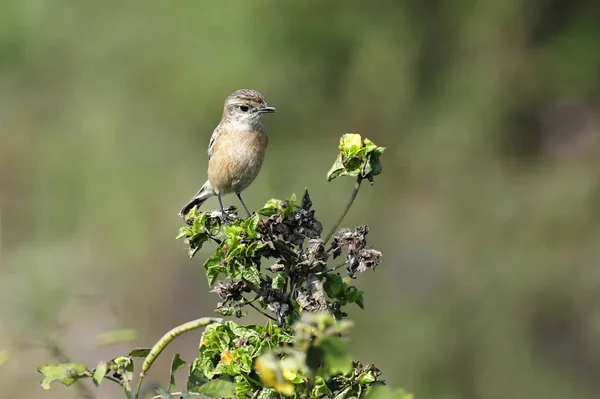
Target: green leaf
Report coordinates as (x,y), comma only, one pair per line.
(193,213)
(216,337)
(176,364)
(343,393)
(337,169)
(275,206)
(360,302)
(335,356)
(267,393)
(67,373)
(213,226)
(214,266)
(279,281)
(184,232)
(366,378)
(350,144)
(334,285)
(250,273)
(139,352)
(196,378)
(354,295)
(245,361)
(100,372)
(242,387)
(199,223)
(235,310)
(369,146)
(321,388)
(253,247)
(250,224)
(233,231)
(270,208)
(219,388)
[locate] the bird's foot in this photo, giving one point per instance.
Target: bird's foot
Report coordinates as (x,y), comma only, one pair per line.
(227,215)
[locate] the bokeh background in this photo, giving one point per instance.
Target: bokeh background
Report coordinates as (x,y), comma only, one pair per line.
(487,213)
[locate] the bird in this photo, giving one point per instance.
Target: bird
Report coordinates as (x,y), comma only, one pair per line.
(236,149)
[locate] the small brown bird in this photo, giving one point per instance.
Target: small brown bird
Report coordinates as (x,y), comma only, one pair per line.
(236,149)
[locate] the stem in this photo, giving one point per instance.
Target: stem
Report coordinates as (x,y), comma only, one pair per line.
(346,209)
(260,311)
(139,386)
(113,379)
(332,270)
(332,249)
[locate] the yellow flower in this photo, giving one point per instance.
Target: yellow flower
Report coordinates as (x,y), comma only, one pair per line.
(226,357)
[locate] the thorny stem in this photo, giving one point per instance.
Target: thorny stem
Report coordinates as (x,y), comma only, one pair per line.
(346,209)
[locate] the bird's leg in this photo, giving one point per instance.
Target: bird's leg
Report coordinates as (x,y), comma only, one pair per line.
(244,205)
(220,202)
(224,215)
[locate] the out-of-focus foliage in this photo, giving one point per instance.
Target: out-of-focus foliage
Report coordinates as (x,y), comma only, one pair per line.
(489,112)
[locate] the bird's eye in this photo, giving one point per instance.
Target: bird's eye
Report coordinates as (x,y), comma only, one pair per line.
(244,108)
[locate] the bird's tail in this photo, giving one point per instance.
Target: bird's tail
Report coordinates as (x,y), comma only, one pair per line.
(205,192)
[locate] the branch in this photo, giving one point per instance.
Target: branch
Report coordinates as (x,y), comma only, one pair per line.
(346,209)
(332,270)
(260,311)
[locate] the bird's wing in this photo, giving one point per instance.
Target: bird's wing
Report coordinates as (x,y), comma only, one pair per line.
(213,138)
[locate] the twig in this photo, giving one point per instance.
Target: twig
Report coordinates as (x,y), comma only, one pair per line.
(332,270)
(113,379)
(261,312)
(332,249)
(345,211)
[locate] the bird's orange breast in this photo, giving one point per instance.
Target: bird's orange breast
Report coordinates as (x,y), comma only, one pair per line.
(237,157)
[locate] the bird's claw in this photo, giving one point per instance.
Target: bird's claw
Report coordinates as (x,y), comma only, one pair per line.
(228,215)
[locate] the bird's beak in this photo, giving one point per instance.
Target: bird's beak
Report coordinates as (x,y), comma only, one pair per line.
(266,109)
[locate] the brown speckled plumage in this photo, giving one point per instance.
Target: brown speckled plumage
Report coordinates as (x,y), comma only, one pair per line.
(237,147)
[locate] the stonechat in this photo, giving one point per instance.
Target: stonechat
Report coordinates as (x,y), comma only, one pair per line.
(236,149)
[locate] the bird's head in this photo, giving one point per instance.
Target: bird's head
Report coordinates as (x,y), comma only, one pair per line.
(246,106)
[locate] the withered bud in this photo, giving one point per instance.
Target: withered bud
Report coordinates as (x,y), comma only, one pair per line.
(230,290)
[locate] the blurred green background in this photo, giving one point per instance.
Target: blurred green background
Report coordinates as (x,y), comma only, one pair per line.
(487,213)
